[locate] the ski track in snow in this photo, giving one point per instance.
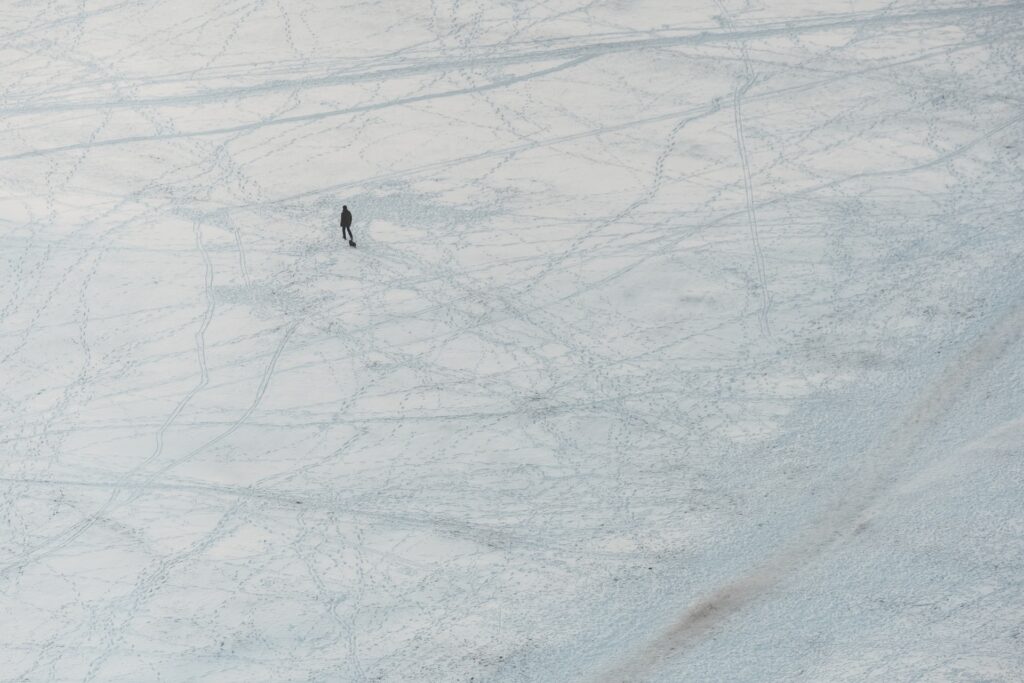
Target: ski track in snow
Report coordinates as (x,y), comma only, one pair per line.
(681,342)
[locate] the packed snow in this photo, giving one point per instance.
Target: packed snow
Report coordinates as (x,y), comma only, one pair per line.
(682,341)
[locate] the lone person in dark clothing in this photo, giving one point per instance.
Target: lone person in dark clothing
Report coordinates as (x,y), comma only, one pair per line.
(346,224)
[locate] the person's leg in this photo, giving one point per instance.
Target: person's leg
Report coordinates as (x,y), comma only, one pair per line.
(346,233)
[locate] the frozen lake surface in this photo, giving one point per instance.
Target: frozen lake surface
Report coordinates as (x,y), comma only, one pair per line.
(682,342)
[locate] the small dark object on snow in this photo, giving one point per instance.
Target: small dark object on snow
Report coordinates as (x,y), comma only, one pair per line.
(346,226)
(351,243)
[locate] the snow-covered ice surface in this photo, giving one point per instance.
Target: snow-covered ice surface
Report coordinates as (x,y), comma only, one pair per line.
(683,341)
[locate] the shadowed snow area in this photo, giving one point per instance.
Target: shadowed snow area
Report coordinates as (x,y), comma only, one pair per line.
(682,341)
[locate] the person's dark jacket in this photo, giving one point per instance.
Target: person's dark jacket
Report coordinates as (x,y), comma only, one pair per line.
(346,219)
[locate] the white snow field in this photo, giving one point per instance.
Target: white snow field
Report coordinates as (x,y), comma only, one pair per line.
(683,341)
